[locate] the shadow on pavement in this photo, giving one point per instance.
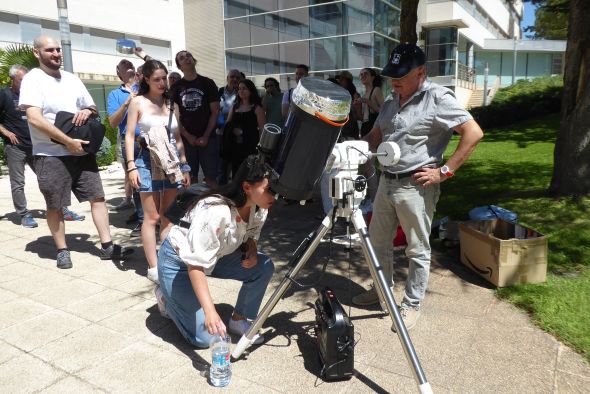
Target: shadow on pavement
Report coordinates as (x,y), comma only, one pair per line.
(76,242)
(170,333)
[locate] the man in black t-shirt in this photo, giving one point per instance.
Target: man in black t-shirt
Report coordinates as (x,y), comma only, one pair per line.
(198,103)
(18,149)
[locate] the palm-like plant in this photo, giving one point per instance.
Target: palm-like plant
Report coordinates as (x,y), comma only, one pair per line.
(15,54)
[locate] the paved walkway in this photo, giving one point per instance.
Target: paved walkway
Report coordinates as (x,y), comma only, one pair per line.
(95,328)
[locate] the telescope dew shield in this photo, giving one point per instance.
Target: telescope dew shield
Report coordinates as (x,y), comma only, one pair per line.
(319,109)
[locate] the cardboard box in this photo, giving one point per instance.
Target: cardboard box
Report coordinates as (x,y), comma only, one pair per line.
(502,252)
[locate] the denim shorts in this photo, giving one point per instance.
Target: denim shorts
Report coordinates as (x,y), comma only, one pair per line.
(146,184)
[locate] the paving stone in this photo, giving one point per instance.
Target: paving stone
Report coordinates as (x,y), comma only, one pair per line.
(7,352)
(566,383)
(18,310)
(570,362)
(141,320)
(71,291)
(42,329)
(103,304)
(83,348)
(71,384)
(26,374)
(134,369)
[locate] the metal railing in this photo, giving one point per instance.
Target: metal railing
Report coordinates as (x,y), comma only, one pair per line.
(465,76)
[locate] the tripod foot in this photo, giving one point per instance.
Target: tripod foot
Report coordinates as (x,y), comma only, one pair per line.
(425,388)
(243,344)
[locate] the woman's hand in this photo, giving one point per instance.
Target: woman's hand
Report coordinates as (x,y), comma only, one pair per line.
(201,141)
(250,257)
(186,179)
(134,179)
(214,324)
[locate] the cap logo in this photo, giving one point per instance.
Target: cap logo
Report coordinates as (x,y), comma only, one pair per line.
(396,58)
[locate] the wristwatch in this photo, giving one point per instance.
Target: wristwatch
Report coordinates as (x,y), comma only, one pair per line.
(445,170)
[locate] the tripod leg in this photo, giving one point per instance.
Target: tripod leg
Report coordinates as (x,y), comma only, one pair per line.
(386,295)
(302,254)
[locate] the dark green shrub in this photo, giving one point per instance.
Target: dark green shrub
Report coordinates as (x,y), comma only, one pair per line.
(106,153)
(523,100)
(111,132)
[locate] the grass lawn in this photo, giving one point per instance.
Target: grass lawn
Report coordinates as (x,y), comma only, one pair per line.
(512,168)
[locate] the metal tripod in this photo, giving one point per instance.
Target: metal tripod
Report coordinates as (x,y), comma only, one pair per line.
(302,255)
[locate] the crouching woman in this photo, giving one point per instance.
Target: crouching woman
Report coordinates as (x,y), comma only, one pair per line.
(218,238)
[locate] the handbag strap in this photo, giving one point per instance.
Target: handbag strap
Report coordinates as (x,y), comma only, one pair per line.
(169,128)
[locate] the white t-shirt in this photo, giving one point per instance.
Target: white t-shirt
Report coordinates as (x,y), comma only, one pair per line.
(216,230)
(52,95)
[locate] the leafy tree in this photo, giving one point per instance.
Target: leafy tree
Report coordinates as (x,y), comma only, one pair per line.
(571,171)
(408,20)
(15,54)
(551,18)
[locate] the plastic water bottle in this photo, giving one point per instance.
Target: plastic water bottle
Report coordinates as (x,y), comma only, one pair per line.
(220,370)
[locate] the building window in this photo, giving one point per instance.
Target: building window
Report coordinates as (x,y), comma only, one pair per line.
(441,49)
(557,63)
(326,20)
(387,20)
(326,53)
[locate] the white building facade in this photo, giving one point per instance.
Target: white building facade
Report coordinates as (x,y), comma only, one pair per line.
(268,37)
(155,25)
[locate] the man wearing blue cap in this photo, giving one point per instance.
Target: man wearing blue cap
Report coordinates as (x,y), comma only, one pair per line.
(420,116)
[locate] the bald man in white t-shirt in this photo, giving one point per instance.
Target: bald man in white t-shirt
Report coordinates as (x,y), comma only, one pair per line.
(63,167)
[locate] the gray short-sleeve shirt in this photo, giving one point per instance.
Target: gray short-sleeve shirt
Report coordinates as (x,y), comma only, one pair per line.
(422,127)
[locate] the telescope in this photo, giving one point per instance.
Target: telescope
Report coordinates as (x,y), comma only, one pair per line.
(297,155)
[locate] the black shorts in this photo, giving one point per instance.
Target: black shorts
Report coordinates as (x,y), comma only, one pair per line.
(59,176)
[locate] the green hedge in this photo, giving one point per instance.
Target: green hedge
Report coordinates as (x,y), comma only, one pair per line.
(111,132)
(523,100)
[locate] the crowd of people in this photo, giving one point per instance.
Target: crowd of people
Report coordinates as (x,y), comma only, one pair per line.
(174,127)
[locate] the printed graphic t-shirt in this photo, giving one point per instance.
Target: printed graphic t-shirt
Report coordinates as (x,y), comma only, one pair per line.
(193,99)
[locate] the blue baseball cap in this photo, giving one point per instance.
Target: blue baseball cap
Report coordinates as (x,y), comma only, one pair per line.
(404,58)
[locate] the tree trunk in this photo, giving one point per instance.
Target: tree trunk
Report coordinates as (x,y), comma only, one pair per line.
(408,21)
(571,170)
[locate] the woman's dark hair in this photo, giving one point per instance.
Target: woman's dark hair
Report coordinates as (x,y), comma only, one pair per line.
(377,79)
(254,96)
(274,82)
(252,170)
(147,70)
(349,86)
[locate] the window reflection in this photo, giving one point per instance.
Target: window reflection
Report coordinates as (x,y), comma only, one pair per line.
(273,36)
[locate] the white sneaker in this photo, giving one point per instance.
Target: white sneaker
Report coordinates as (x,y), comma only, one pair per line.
(152,274)
(239,327)
(161,302)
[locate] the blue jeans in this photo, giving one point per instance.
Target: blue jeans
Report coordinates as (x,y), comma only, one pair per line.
(182,305)
(16,158)
(206,157)
(403,202)
(135,195)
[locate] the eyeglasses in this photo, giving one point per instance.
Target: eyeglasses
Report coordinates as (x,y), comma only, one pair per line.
(363,74)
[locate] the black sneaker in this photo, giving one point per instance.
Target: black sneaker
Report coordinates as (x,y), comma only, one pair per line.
(115,252)
(63,259)
(136,232)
